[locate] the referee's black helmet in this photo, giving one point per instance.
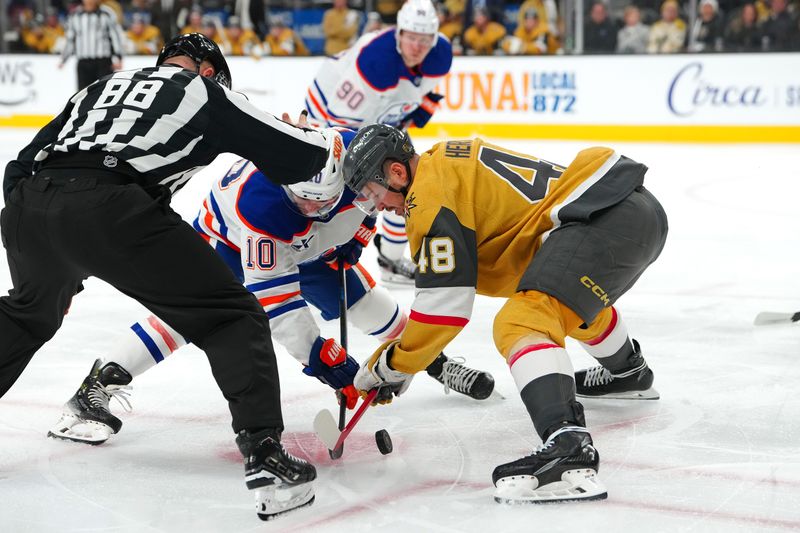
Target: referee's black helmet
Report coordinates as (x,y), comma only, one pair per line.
(199,48)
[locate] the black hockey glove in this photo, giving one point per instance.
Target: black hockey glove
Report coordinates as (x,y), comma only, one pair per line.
(350,252)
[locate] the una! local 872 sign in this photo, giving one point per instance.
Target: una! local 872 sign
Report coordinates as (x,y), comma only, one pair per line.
(743,89)
(484,94)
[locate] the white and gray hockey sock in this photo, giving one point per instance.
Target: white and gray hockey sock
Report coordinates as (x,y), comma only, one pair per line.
(613,347)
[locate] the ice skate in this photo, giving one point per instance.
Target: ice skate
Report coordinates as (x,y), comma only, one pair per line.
(633,383)
(399,271)
(564,468)
(454,375)
(281,482)
(87,417)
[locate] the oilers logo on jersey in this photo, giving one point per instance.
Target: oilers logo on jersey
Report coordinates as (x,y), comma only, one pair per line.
(395,114)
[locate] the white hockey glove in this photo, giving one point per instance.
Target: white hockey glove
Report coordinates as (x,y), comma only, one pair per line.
(376,373)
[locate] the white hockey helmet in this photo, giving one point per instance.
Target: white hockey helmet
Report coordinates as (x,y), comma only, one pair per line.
(327,186)
(418,16)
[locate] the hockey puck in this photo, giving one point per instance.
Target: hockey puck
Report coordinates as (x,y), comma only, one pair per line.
(384,441)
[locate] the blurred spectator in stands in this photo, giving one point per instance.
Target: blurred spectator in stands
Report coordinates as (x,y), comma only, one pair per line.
(54,29)
(668,34)
(599,31)
(632,38)
(455,7)
(212,28)
(340,26)
(548,15)
(780,28)
(282,41)
(142,38)
(242,41)
(495,8)
(34,37)
(374,22)
(195,22)
(116,8)
(744,32)
(762,10)
(707,32)
(20,12)
(451,26)
(139,7)
(388,10)
(483,38)
(531,37)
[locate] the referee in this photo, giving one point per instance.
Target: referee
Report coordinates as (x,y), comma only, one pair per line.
(89,196)
(95,37)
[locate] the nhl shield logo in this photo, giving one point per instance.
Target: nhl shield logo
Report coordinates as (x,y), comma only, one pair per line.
(110,161)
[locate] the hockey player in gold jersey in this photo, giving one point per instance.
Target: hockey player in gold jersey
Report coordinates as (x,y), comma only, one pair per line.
(562,244)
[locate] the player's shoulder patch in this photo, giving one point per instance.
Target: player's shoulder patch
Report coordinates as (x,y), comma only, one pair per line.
(439,59)
(378,62)
(262,206)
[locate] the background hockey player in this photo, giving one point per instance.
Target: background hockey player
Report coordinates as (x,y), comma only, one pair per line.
(283,244)
(387,77)
(89,196)
(562,244)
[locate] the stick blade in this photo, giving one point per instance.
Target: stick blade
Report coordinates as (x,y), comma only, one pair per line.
(326,429)
(768,317)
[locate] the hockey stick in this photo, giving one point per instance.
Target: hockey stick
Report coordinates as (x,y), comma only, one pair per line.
(330,434)
(337,451)
(768,317)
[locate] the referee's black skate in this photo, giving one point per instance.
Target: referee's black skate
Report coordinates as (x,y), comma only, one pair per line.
(281,482)
(395,270)
(86,416)
(632,383)
(564,468)
(455,375)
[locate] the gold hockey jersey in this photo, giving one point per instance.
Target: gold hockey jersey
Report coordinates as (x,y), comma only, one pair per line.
(477,213)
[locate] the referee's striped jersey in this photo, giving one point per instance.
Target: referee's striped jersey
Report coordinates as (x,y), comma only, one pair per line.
(161,125)
(93,34)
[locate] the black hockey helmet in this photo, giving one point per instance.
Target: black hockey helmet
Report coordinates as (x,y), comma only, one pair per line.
(199,48)
(369,149)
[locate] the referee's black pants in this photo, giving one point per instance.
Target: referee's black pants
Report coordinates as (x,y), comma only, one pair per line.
(91,70)
(57,233)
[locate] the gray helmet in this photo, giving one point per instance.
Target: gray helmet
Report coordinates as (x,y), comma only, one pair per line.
(367,152)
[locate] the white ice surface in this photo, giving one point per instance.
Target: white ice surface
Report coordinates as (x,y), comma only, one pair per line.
(718,452)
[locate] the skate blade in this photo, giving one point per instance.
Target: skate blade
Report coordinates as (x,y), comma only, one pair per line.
(575,485)
(396,281)
(75,429)
(278,501)
(649,394)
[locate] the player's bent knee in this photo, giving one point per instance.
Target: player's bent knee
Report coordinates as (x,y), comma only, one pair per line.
(377,313)
(531,314)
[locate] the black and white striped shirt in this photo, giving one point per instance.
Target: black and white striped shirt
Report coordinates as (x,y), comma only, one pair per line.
(93,34)
(163,124)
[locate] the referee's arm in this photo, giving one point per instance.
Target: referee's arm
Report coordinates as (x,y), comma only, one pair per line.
(69,41)
(283,152)
(115,37)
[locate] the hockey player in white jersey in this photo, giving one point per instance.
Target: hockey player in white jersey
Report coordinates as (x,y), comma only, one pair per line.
(282,242)
(387,77)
